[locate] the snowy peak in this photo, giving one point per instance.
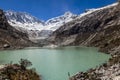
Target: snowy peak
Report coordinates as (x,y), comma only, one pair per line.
(55,23)
(23,20)
(21,17)
(63,18)
(69,14)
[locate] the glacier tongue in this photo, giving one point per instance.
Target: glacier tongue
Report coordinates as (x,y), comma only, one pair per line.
(35,28)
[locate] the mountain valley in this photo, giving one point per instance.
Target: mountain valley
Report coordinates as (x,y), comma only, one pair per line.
(94,28)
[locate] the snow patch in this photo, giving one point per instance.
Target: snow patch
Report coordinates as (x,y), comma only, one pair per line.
(89,11)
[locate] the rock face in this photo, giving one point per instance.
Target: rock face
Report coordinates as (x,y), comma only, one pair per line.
(100,28)
(10,37)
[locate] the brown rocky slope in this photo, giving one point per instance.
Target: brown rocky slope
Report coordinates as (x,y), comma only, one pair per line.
(10,37)
(100,28)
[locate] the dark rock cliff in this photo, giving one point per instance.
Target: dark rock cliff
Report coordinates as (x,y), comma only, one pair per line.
(10,37)
(100,28)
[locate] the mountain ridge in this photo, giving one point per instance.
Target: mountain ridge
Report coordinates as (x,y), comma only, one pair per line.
(23,18)
(79,26)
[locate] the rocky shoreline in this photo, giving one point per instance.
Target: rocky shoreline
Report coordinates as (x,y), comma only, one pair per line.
(106,71)
(18,72)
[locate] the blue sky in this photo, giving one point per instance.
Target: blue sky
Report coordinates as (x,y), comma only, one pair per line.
(45,9)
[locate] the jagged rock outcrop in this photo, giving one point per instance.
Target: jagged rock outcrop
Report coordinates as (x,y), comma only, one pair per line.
(10,37)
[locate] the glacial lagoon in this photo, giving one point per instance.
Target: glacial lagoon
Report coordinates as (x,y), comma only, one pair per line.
(54,64)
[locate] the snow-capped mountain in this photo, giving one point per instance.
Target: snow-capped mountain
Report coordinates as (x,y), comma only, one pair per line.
(38,29)
(29,22)
(55,23)
(22,17)
(34,27)
(88,25)
(23,20)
